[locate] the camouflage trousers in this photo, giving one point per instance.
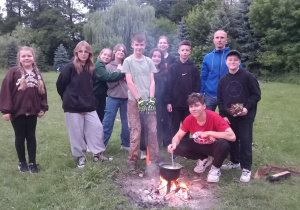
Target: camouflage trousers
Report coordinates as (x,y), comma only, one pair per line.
(136,122)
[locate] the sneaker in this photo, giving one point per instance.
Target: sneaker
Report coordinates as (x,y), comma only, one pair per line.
(203,164)
(143,154)
(246,175)
(230,165)
(23,167)
(81,162)
(131,166)
(125,148)
(99,156)
(33,168)
(214,174)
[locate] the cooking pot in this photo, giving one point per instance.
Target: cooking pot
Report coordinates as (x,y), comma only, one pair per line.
(168,171)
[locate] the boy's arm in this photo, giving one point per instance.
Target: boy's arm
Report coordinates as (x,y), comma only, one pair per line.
(176,140)
(152,85)
(228,134)
(197,80)
(255,93)
(131,86)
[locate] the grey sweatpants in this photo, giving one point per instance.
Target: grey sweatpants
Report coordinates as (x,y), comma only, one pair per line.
(85,129)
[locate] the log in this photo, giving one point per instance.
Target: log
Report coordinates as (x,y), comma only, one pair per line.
(279,176)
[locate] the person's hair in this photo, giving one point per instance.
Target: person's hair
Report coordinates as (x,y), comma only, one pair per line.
(162,65)
(221,31)
(102,51)
(89,65)
(138,37)
(23,83)
(162,37)
(116,48)
(185,42)
(194,98)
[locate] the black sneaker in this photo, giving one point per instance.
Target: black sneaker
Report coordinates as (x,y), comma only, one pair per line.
(81,162)
(100,157)
(23,167)
(33,168)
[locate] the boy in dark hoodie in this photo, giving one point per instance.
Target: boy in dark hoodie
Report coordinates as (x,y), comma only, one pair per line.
(183,79)
(239,86)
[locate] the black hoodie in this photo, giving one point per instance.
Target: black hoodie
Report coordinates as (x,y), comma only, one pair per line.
(241,87)
(183,79)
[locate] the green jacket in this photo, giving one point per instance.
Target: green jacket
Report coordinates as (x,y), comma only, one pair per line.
(103,76)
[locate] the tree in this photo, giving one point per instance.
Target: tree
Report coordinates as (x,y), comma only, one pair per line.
(12,51)
(245,36)
(179,10)
(117,24)
(40,59)
(278,23)
(183,33)
(61,57)
(199,19)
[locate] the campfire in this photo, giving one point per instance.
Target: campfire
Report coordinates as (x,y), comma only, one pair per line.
(171,189)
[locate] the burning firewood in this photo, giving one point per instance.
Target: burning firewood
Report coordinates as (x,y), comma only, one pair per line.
(171,194)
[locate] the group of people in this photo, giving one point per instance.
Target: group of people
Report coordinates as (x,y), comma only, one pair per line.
(162,100)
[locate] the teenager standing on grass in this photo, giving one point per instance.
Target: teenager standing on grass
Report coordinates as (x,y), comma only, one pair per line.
(102,77)
(23,98)
(139,71)
(117,99)
(239,86)
(160,77)
(75,86)
(183,79)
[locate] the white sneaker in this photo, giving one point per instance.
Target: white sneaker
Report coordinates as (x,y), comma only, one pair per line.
(230,165)
(125,148)
(246,175)
(143,154)
(203,164)
(214,174)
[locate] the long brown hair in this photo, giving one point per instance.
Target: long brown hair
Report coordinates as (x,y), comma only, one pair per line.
(116,48)
(23,83)
(89,65)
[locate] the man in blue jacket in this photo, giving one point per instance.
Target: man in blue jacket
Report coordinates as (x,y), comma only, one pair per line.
(213,68)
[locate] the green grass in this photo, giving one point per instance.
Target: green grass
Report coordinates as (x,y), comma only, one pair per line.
(60,185)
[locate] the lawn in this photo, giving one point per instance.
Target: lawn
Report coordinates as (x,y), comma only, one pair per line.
(60,185)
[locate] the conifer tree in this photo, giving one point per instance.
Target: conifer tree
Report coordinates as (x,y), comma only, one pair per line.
(40,59)
(245,36)
(61,57)
(12,51)
(182,30)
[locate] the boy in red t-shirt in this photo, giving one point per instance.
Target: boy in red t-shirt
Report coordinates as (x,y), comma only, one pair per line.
(211,136)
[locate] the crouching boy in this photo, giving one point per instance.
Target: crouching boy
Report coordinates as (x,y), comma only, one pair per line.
(211,136)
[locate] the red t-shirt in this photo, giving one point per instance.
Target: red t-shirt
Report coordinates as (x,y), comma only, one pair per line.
(214,122)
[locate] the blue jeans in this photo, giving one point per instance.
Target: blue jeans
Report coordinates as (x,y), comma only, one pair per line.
(111,109)
(211,103)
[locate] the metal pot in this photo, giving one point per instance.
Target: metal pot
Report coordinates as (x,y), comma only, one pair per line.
(170,172)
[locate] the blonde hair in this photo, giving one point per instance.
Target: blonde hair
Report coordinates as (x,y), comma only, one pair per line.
(116,48)
(102,51)
(89,62)
(23,83)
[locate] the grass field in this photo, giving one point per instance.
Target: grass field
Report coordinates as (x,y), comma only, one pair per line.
(60,185)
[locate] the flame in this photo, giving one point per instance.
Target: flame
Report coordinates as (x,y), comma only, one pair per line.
(183,193)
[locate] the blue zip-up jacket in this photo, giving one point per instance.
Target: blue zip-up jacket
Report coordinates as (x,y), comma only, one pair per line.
(213,68)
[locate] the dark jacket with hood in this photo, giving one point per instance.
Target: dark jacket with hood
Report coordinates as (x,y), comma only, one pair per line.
(76,90)
(241,87)
(183,79)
